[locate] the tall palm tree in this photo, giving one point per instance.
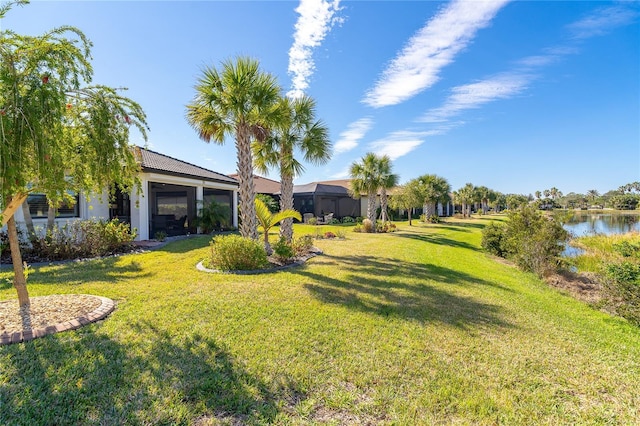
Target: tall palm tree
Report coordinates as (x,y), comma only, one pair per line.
(366,179)
(388,180)
(465,197)
(593,194)
(433,189)
(295,128)
(239,100)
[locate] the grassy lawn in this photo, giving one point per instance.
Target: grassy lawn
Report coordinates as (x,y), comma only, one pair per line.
(415,327)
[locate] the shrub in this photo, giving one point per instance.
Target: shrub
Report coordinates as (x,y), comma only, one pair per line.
(302,245)
(236,253)
(367,226)
(622,282)
(348,219)
(492,236)
(532,240)
(357,228)
(160,236)
(283,251)
(340,234)
(434,218)
(312,221)
(359,219)
(83,238)
(329,235)
(334,221)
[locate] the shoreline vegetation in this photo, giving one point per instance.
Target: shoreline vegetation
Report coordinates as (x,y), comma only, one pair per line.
(417,326)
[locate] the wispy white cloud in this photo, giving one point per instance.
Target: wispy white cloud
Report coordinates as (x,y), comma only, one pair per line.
(474,95)
(603,20)
(315,20)
(350,137)
(342,174)
(400,143)
(418,65)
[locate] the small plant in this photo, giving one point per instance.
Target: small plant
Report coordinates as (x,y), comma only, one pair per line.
(434,218)
(313,221)
(302,245)
(357,228)
(367,226)
(359,219)
(341,234)
(160,236)
(283,251)
(236,253)
(334,221)
(329,235)
(348,219)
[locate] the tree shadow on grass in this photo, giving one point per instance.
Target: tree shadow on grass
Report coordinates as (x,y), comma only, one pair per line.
(388,288)
(433,238)
(83,377)
(109,269)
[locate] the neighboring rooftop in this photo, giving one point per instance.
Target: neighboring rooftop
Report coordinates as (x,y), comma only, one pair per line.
(322,188)
(152,161)
(263,185)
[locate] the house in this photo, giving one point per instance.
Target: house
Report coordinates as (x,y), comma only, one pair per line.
(171,193)
(321,198)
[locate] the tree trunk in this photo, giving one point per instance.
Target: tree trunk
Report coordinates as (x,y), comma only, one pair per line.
(371,209)
(248,227)
(286,202)
(28,221)
(51,220)
(429,210)
(409,213)
(383,206)
(19,280)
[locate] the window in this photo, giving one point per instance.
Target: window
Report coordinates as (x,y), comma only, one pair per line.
(39,206)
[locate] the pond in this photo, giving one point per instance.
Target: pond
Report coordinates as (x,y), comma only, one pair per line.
(585,223)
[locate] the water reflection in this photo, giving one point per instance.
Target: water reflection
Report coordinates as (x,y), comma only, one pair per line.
(583,223)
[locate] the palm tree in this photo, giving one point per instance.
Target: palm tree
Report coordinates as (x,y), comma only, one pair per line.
(465,196)
(239,99)
(432,189)
(268,220)
(295,128)
(366,179)
(387,181)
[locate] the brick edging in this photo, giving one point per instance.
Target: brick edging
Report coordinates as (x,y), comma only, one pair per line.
(106,307)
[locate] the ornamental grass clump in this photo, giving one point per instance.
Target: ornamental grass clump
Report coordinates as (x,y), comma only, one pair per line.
(236,253)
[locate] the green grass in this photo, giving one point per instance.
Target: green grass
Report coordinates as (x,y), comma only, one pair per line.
(600,250)
(414,327)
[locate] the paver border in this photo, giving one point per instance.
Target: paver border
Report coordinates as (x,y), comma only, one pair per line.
(106,307)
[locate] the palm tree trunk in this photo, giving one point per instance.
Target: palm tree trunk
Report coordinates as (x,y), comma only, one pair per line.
(371,209)
(19,280)
(248,227)
(286,203)
(28,221)
(51,220)
(383,206)
(409,213)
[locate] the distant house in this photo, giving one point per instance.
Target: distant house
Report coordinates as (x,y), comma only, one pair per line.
(171,194)
(322,198)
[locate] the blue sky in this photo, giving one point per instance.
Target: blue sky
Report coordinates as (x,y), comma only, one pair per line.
(518,96)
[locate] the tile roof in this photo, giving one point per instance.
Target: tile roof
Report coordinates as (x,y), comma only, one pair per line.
(263,185)
(152,161)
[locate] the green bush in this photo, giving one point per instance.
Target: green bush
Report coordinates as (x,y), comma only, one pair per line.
(283,251)
(532,240)
(357,228)
(236,253)
(492,236)
(348,219)
(334,221)
(312,221)
(83,238)
(622,282)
